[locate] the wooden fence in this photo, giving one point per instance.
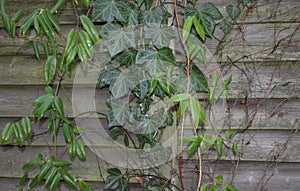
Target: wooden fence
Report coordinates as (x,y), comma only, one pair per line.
(262,54)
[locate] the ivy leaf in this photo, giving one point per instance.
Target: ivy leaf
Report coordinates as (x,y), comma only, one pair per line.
(198,80)
(106,29)
(133,17)
(108,76)
(120,111)
(226,26)
(149,124)
(120,40)
(112,121)
(208,23)
(124,83)
(154,15)
(50,69)
(141,90)
(160,37)
(233,11)
(127,58)
(155,61)
(108,10)
(112,180)
(116,132)
(211,10)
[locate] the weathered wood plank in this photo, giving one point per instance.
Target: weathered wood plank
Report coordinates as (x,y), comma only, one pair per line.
(11,184)
(248,176)
(263,11)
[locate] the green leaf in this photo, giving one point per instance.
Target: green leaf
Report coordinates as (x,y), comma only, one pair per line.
(183,105)
(211,10)
(203,187)
(50,69)
(234,148)
(55,182)
(44,170)
(27,126)
(229,187)
(7,133)
(116,132)
(90,28)
(106,29)
(71,41)
(86,2)
(187,26)
(36,49)
(153,16)
(207,141)
(219,179)
(68,133)
(72,149)
(58,4)
(61,163)
(59,106)
(18,133)
(67,177)
(127,58)
(34,182)
(154,61)
(17,16)
(108,76)
(160,36)
(28,165)
(194,145)
(214,187)
(200,30)
(141,89)
(120,40)
(6,22)
(52,21)
(180,97)
(109,10)
(198,80)
(233,11)
(197,111)
(226,26)
(23,179)
(229,133)
(28,21)
(114,171)
(133,17)
(219,146)
(80,150)
(52,173)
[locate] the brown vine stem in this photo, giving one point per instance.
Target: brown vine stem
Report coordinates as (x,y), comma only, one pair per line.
(187,90)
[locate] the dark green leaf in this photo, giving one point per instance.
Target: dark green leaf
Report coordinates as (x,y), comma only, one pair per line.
(80,150)
(233,11)
(28,165)
(198,80)
(23,179)
(108,10)
(116,132)
(58,4)
(114,171)
(226,26)
(59,106)
(108,76)
(192,148)
(55,182)
(133,17)
(27,126)
(6,22)
(245,2)
(7,133)
(90,28)
(50,69)
(68,133)
(141,90)
(34,182)
(61,163)
(50,177)
(67,177)
(106,29)
(211,10)
(160,36)
(234,148)
(44,170)
(17,16)
(154,15)
(127,58)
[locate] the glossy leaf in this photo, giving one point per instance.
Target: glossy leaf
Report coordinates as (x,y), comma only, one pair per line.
(61,163)
(72,149)
(229,133)
(219,146)
(6,21)
(67,177)
(154,15)
(23,179)
(55,182)
(36,49)
(50,177)
(44,170)
(80,150)
(233,11)
(90,28)
(7,133)
(28,21)
(127,58)
(27,126)
(199,28)
(71,41)
(50,69)
(28,165)
(52,20)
